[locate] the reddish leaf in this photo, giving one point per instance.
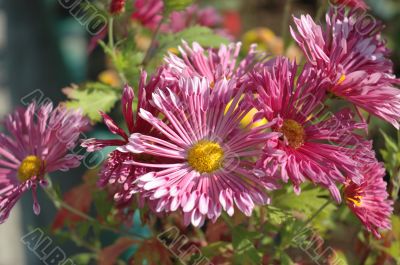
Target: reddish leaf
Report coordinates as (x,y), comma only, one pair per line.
(110,254)
(79,198)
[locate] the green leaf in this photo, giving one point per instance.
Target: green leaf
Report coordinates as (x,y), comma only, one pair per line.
(176,5)
(215,249)
(390,144)
(82,258)
(91,99)
(285,259)
(102,203)
(204,36)
(244,250)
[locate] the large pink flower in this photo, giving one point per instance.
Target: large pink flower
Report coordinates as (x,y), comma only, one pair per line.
(315,145)
(211,167)
(369,200)
(39,142)
(115,171)
(353,55)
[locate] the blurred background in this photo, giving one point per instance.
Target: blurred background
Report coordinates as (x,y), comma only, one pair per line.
(44,48)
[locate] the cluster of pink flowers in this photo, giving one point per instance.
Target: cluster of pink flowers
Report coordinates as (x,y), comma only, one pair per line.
(189,150)
(212,133)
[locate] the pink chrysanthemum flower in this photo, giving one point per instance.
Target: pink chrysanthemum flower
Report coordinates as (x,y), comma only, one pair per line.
(357,4)
(313,146)
(212,157)
(193,15)
(148,12)
(115,171)
(369,200)
(38,143)
(353,55)
(212,64)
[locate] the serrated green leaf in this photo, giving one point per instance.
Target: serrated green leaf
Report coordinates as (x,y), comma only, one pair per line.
(93,98)
(244,250)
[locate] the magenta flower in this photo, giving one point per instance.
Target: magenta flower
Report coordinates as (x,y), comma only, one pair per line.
(115,171)
(369,200)
(353,55)
(148,12)
(38,143)
(210,165)
(314,146)
(212,64)
(357,4)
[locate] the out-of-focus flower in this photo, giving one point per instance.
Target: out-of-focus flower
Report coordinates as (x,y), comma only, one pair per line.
(265,39)
(232,22)
(110,77)
(353,55)
(213,157)
(212,64)
(357,4)
(117,7)
(311,147)
(148,12)
(369,200)
(270,43)
(38,143)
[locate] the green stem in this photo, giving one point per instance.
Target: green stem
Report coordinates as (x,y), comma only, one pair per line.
(285,22)
(149,51)
(59,204)
(309,220)
(111,33)
(321,10)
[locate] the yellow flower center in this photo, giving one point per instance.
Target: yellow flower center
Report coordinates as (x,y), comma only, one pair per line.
(293,132)
(356,200)
(205,156)
(342,79)
(31,166)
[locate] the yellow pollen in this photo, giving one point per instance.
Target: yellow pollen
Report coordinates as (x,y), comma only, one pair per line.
(293,132)
(205,156)
(356,200)
(31,166)
(341,80)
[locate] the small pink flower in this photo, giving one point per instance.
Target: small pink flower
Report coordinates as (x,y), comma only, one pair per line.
(212,64)
(369,200)
(352,53)
(38,142)
(314,146)
(357,4)
(148,12)
(205,158)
